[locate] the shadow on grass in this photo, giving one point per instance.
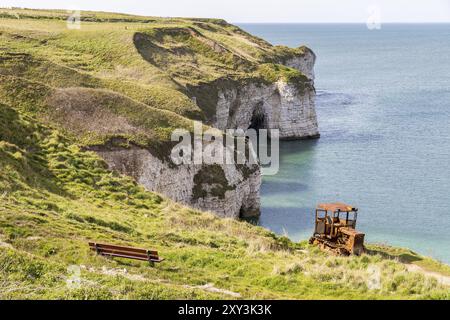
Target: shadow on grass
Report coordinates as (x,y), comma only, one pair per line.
(20,132)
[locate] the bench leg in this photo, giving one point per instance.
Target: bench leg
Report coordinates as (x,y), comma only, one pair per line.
(152,264)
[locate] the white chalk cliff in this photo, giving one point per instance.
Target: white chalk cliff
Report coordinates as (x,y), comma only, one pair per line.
(286,107)
(227,190)
(280,106)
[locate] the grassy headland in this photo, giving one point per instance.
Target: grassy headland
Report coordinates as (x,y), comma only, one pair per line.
(55,196)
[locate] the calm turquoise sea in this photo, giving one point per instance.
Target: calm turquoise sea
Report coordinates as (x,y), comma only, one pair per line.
(383,103)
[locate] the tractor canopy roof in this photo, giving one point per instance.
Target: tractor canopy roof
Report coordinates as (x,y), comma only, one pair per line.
(336,206)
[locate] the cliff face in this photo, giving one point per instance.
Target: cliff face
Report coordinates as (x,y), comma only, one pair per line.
(279,106)
(273,92)
(227,190)
(288,107)
(304,63)
(224,189)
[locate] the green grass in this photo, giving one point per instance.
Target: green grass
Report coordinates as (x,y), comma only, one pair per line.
(151,60)
(55,196)
(142,73)
(410,257)
(271,73)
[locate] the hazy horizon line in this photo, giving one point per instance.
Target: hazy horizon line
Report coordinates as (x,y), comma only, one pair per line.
(339,22)
(233,22)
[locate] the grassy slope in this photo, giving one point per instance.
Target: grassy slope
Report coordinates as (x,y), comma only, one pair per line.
(150,59)
(55,197)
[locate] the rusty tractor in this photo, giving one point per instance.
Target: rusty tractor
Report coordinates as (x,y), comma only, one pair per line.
(335,229)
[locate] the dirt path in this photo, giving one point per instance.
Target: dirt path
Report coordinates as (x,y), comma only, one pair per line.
(135,277)
(210,288)
(445,280)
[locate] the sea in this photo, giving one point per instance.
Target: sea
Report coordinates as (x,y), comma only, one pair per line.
(383,106)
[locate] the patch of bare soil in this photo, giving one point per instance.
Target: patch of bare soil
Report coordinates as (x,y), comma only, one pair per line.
(88,110)
(210,288)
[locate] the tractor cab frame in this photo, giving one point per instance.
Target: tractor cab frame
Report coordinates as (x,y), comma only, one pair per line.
(332,216)
(335,229)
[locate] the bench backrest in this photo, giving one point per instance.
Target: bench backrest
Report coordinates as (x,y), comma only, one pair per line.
(124,252)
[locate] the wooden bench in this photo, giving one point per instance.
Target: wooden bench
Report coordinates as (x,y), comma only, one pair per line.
(110,250)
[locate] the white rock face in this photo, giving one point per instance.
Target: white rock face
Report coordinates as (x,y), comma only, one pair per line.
(304,63)
(287,107)
(277,106)
(240,194)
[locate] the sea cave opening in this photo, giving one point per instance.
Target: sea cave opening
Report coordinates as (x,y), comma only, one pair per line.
(258,121)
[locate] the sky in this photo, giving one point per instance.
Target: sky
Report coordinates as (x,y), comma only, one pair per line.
(282,11)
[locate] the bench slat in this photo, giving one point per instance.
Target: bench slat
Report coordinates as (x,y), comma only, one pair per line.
(152,259)
(125,252)
(124,256)
(133,254)
(128,249)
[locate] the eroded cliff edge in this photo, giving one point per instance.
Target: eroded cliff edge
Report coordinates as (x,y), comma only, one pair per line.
(276,91)
(134,86)
(233,91)
(237,104)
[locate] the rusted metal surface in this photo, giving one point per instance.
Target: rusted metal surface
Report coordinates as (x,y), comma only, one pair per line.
(335,206)
(354,240)
(335,229)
